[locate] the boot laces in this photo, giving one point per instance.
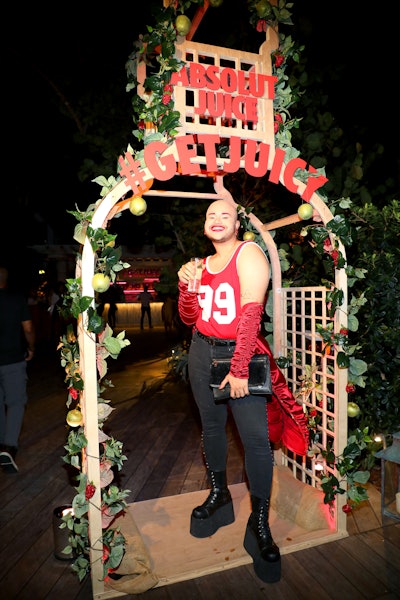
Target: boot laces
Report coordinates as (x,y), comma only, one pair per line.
(263,525)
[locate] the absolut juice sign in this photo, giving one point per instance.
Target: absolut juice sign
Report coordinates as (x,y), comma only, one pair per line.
(233,95)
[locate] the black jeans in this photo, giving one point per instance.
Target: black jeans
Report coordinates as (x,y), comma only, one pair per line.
(145,310)
(249,413)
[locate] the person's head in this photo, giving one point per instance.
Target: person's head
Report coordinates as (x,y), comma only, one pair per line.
(3,277)
(222,222)
(145,287)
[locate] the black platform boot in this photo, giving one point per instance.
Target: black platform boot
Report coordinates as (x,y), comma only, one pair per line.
(259,544)
(216,511)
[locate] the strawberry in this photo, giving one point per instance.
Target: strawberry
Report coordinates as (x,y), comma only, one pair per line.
(90,490)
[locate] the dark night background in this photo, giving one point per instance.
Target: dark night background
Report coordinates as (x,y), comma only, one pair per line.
(58,64)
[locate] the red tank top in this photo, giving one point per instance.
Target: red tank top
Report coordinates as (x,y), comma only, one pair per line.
(219,299)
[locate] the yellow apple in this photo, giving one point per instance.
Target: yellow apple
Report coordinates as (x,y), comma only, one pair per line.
(74,418)
(305,211)
(100,282)
(183,24)
(138,206)
(353,410)
(248,235)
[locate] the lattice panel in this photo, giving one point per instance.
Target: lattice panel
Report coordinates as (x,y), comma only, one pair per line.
(257,80)
(240,79)
(311,374)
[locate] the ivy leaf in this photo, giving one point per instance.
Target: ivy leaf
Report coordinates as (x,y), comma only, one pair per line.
(342,360)
(80,505)
(113,346)
(319,235)
(120,266)
(79,305)
(106,474)
(80,233)
(352,323)
(104,411)
(107,184)
(352,450)
(361,477)
(115,557)
(101,180)
(170,121)
(341,228)
(111,256)
(357,366)
(95,321)
(357,494)
(335,298)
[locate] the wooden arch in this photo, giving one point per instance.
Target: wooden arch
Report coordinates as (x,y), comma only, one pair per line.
(334,380)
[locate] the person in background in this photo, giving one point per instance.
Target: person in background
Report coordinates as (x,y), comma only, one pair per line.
(111,297)
(168,314)
(145,299)
(17,346)
(226,319)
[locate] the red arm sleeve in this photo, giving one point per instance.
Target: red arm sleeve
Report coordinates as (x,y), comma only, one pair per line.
(246,340)
(188,305)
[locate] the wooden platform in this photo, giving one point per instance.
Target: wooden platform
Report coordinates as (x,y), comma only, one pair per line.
(158,424)
(164,522)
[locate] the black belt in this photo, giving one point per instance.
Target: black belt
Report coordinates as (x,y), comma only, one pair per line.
(214,341)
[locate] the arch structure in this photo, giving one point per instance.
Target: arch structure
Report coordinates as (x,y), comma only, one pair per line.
(297,312)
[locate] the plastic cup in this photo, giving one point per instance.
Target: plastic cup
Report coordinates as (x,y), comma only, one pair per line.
(194,284)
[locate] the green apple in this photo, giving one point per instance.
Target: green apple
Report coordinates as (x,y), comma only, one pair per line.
(215,3)
(353,410)
(100,282)
(263,9)
(183,24)
(248,235)
(74,418)
(138,206)
(305,211)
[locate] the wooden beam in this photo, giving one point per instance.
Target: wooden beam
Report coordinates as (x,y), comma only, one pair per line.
(282,222)
(198,17)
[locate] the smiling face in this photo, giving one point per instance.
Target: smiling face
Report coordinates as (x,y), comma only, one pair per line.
(221,222)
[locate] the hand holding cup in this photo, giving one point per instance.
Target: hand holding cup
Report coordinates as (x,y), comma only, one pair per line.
(197,269)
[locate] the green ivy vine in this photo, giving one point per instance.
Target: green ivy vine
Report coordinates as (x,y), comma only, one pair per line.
(113,500)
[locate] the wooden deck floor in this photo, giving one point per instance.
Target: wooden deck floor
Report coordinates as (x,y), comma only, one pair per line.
(157,422)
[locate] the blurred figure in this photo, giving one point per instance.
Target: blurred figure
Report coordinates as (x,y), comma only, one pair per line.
(108,300)
(145,298)
(17,345)
(168,314)
(112,297)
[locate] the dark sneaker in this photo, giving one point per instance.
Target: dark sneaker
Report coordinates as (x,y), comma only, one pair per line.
(7,461)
